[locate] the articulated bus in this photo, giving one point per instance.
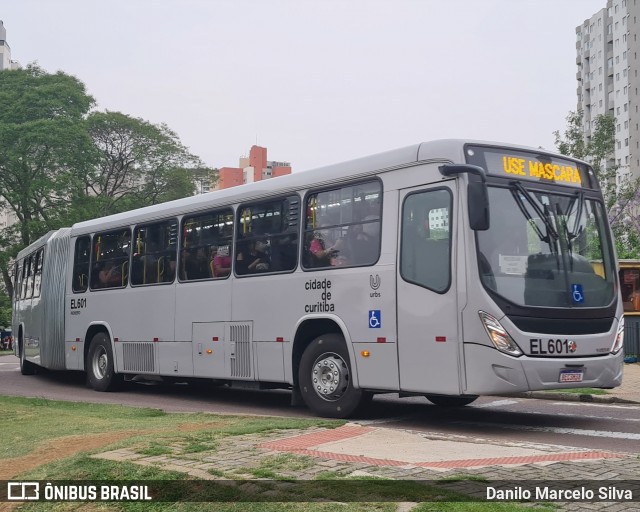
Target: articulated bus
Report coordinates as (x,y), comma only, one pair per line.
(448,269)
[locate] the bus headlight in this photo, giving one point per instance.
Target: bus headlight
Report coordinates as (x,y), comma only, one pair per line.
(619,341)
(499,336)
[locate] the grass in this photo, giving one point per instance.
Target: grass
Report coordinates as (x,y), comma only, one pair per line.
(155,449)
(283,466)
(581,391)
(29,423)
(6,352)
(463,478)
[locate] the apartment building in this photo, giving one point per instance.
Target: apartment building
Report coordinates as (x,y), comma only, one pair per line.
(5,51)
(7,217)
(608,49)
(253,168)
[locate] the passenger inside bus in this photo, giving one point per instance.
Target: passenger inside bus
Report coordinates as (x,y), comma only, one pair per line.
(323,253)
(220,261)
(253,258)
(284,253)
(195,264)
(109,274)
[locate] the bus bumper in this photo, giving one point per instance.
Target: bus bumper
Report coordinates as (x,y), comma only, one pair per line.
(490,372)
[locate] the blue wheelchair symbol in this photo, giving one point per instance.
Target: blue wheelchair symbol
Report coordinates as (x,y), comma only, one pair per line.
(375,319)
(576,293)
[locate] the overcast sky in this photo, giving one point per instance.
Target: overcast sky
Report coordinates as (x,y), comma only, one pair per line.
(315,81)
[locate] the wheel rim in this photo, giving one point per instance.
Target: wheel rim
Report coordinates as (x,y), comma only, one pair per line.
(100,361)
(330,377)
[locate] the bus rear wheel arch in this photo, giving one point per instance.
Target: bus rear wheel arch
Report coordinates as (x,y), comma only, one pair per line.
(451,401)
(100,364)
(325,378)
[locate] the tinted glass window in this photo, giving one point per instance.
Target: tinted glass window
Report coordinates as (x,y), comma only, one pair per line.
(26,278)
(110,256)
(342,226)
(267,236)
(206,245)
(81,264)
(426,239)
(16,280)
(543,249)
(630,287)
(37,276)
(154,253)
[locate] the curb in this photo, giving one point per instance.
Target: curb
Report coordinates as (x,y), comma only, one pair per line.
(575,397)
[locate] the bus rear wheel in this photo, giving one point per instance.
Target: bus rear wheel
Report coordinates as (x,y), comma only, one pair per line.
(26,367)
(100,367)
(325,378)
(451,401)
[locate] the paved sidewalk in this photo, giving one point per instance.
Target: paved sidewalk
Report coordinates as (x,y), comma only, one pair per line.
(362,451)
(355,450)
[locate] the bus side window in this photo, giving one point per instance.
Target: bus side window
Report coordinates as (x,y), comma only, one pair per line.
(154,248)
(17,287)
(26,278)
(342,226)
(110,257)
(205,244)
(267,236)
(81,265)
(37,278)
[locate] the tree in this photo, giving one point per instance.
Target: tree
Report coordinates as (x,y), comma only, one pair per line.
(140,163)
(620,190)
(205,175)
(61,164)
(5,310)
(44,152)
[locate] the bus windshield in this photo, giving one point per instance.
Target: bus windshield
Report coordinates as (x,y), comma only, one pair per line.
(546,249)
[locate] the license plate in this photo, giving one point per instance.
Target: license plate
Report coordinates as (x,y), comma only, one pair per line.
(571,375)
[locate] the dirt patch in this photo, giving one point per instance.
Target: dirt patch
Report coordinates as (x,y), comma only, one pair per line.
(59,449)
(67,446)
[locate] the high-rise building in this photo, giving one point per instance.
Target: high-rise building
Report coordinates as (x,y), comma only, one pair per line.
(255,167)
(5,51)
(608,52)
(7,216)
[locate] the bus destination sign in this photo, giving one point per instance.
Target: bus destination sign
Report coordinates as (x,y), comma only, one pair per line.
(529,166)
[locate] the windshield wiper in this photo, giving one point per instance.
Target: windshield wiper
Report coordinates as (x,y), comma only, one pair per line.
(544,216)
(580,198)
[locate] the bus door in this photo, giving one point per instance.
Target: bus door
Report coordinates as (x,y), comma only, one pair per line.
(427,306)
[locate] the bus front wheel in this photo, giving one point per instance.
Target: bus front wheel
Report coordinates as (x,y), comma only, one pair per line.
(26,367)
(451,401)
(100,366)
(325,378)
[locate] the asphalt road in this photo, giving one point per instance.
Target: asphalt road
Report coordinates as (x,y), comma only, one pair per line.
(611,427)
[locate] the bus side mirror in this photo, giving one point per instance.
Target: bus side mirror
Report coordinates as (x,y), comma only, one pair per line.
(478,203)
(477,194)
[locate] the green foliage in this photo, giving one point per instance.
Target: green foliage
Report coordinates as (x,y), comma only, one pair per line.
(620,190)
(60,163)
(44,152)
(5,310)
(140,163)
(572,143)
